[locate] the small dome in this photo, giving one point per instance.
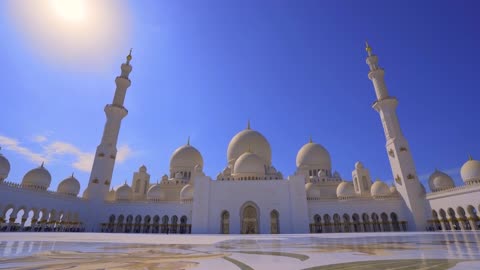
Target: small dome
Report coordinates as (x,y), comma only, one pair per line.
(345,189)
(393,189)
(380,189)
(143,168)
(110,195)
(164,177)
(4,167)
(186,156)
(123,193)
(69,186)
(440,181)
(249,139)
(187,192)
(314,155)
(155,193)
(312,190)
(470,171)
(249,163)
(358,165)
(37,178)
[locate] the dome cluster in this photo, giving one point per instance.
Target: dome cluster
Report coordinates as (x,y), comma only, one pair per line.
(249,157)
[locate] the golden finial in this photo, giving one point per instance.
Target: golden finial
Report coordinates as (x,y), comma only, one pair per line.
(129,56)
(41,166)
(470,157)
(368,48)
(248,124)
(72,174)
(310,140)
(125,181)
(188,140)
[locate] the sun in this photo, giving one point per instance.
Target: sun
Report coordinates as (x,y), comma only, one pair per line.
(70,10)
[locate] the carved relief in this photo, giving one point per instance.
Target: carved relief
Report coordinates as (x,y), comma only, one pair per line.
(101,154)
(107,183)
(391,153)
(95,181)
(398,179)
(403,149)
(112,156)
(410,176)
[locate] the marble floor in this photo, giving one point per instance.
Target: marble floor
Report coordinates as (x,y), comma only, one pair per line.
(418,250)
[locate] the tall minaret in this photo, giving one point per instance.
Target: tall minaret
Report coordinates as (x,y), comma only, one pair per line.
(102,170)
(399,154)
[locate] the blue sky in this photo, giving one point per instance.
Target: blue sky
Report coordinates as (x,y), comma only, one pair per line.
(202,68)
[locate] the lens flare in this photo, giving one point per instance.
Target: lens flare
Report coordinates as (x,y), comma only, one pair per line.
(70,10)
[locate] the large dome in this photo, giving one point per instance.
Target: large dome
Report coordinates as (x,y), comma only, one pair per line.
(345,189)
(155,193)
(249,139)
(37,178)
(440,181)
(186,156)
(123,193)
(314,155)
(470,171)
(249,163)
(186,193)
(380,189)
(69,186)
(4,167)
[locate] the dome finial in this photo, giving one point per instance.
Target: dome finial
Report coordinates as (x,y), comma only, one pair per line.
(188,140)
(248,124)
(41,166)
(368,48)
(125,181)
(470,157)
(129,56)
(72,173)
(310,139)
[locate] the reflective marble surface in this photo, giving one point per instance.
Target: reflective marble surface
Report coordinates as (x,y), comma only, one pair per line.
(307,251)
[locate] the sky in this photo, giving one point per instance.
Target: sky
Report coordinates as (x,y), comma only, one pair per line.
(203,68)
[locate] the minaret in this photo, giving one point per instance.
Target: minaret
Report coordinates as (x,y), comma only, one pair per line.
(102,170)
(399,154)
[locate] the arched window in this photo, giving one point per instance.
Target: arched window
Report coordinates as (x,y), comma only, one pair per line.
(395,224)
(337,223)
(164,228)
(137,185)
(366,222)
(327,223)
(225,223)
(385,222)
(174,224)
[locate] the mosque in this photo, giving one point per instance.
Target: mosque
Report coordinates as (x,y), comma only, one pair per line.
(249,196)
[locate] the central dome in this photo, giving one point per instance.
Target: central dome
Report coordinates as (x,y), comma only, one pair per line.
(186,156)
(249,163)
(249,139)
(314,155)
(440,181)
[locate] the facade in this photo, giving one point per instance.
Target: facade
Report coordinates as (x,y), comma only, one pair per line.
(249,196)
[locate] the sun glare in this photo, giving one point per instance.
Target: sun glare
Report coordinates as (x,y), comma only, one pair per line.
(70,10)
(73,32)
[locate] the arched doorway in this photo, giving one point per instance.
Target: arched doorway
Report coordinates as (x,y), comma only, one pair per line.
(249,219)
(274,222)
(225,223)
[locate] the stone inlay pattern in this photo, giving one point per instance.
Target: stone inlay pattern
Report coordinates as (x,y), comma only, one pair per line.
(327,251)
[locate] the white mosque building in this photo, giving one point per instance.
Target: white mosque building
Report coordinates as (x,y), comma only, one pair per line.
(249,196)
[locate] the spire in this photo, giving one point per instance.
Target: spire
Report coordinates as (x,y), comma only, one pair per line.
(188,140)
(368,48)
(248,124)
(470,157)
(129,57)
(72,174)
(310,140)
(41,166)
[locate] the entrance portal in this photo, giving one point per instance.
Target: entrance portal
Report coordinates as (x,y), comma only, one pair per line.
(249,220)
